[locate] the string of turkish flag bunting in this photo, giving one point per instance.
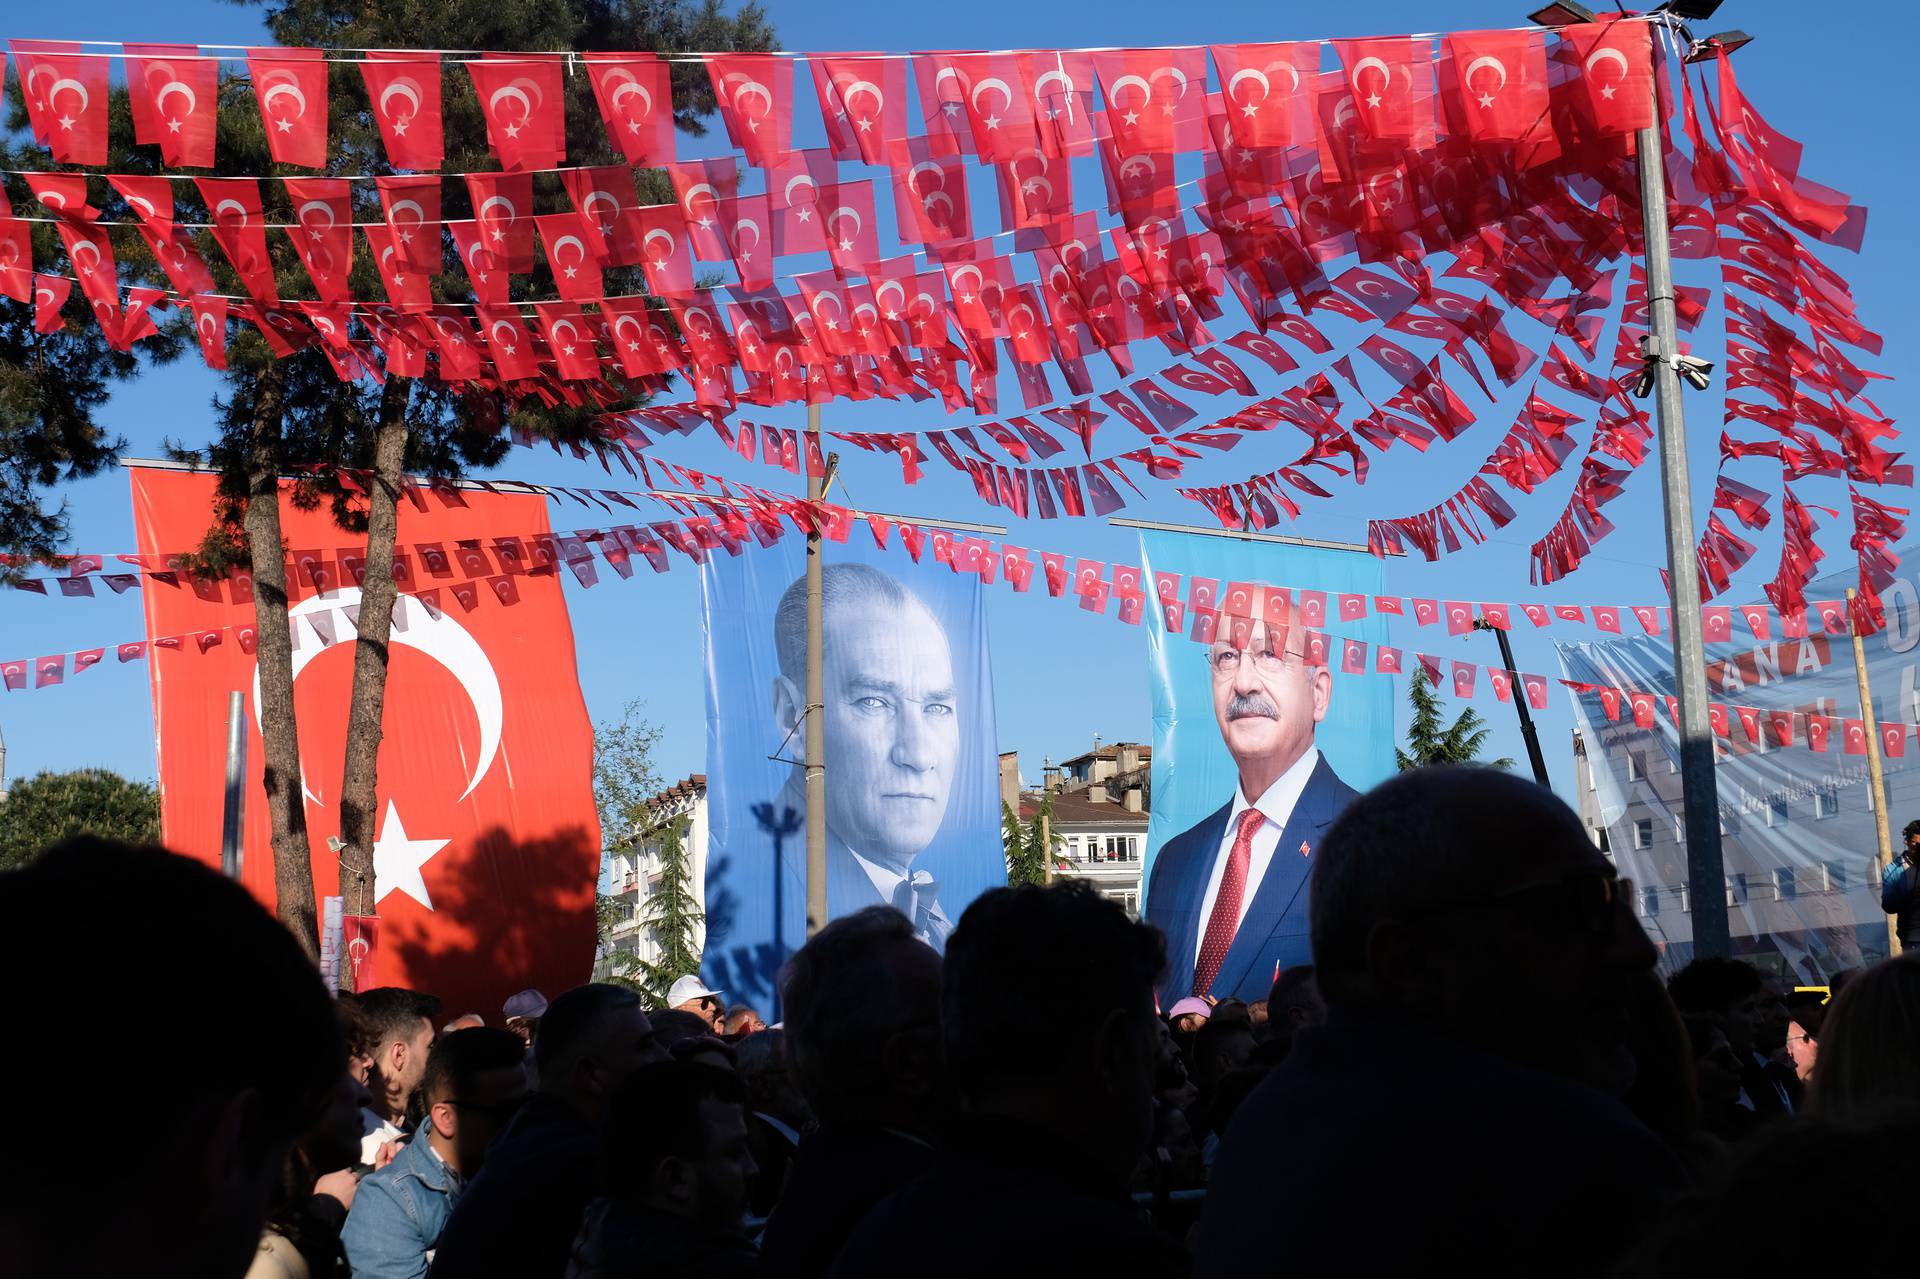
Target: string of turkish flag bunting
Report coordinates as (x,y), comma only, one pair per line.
(1500,162)
(467,574)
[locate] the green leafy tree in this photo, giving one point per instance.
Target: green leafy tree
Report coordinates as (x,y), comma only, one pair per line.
(623,780)
(1029,851)
(1430,740)
(50,807)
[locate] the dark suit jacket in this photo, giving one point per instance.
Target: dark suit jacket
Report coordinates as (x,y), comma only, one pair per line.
(836,1177)
(1273,930)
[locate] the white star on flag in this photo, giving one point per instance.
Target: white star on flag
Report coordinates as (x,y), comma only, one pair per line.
(397,860)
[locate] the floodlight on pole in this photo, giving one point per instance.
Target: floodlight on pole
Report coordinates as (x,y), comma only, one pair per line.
(1690,10)
(1714,45)
(1561,13)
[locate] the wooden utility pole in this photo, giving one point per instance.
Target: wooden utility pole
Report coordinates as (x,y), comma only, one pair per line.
(1876,775)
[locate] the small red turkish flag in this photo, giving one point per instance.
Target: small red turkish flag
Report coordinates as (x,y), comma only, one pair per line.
(407,290)
(1151,97)
(66,97)
(1755,616)
(1856,737)
(239,226)
(291,86)
(172,90)
(87,657)
(522,97)
(503,210)
(1386,661)
(575,274)
(210,326)
(863,102)
(1607,618)
(1499,88)
(1391,81)
(1463,679)
(1716,623)
(1615,82)
(49,295)
(755,93)
(635,94)
(1717,719)
(1643,709)
(1537,614)
(412,207)
(514,353)
(1429,667)
(663,245)
(1819,727)
(1260,89)
(50,670)
(1459,617)
(568,339)
(404,91)
(324,237)
(1893,740)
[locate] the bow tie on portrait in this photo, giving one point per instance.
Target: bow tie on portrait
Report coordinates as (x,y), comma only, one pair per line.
(917,897)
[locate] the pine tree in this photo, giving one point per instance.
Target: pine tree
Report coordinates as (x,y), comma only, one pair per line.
(1027,852)
(672,913)
(1429,741)
(49,807)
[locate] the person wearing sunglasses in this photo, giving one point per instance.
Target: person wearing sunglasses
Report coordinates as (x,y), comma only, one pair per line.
(1230,892)
(475,1081)
(1490,1002)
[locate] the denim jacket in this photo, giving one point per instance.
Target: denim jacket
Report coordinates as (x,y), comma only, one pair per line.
(398,1213)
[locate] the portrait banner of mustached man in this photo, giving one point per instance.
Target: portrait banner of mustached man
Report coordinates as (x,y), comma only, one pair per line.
(912,760)
(1269,717)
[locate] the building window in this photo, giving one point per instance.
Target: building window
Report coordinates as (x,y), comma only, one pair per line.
(1600,839)
(1776,812)
(1649,902)
(1686,899)
(1679,828)
(1737,888)
(1643,833)
(1784,888)
(1836,877)
(1634,772)
(1826,803)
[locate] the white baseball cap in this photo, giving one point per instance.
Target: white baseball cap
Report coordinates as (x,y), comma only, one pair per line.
(688,989)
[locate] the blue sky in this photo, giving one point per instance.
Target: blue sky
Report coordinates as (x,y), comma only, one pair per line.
(1062,676)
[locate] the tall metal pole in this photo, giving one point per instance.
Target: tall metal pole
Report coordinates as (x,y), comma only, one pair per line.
(1883,825)
(233,814)
(1527,731)
(816,706)
(1706,873)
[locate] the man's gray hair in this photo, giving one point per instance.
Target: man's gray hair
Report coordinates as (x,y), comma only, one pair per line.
(840,584)
(1425,838)
(844,997)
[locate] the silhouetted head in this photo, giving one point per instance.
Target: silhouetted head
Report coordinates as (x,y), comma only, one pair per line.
(1080,1068)
(591,1039)
(475,1080)
(1727,990)
(862,1005)
(1472,901)
(1870,1043)
(676,1142)
(181,1147)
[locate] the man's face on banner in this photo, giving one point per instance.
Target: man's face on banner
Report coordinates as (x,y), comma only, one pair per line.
(1266,697)
(892,727)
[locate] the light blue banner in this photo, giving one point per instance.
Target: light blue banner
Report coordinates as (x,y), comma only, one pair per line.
(1199,707)
(912,775)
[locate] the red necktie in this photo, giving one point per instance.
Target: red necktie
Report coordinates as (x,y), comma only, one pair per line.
(1225,919)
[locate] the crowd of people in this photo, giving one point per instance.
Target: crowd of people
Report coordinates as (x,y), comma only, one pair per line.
(1481,1068)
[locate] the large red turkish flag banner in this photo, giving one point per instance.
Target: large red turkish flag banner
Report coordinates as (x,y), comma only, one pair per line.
(487,844)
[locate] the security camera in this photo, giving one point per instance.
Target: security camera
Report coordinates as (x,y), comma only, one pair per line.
(1695,370)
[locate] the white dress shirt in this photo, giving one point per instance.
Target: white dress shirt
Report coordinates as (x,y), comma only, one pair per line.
(886,880)
(1277,806)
